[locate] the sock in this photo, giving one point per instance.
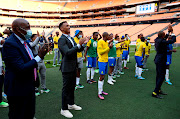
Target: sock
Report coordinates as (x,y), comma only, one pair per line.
(92,72)
(77,80)
(137,70)
(88,73)
(125,62)
(140,72)
(109,77)
(128,58)
(100,87)
(167,75)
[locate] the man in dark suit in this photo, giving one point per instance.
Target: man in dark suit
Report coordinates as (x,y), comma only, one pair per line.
(21,71)
(161,59)
(69,49)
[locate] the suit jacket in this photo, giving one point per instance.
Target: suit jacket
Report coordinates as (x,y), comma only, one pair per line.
(69,54)
(19,76)
(161,49)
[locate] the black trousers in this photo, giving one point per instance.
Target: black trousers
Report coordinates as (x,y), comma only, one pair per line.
(69,83)
(1,86)
(21,107)
(160,76)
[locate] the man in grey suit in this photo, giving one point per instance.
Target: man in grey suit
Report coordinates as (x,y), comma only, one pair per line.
(69,49)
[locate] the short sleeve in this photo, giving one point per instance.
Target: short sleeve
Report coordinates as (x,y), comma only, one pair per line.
(144,45)
(89,43)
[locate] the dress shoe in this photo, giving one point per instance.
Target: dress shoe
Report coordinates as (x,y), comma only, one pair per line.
(66,113)
(162,93)
(157,96)
(74,107)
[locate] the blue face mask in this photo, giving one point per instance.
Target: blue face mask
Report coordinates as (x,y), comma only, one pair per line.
(28,33)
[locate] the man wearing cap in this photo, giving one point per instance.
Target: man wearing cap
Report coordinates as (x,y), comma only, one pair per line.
(78,35)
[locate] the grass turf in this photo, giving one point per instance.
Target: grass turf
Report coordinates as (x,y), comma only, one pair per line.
(129,98)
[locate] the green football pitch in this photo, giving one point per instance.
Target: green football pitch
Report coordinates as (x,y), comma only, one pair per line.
(129,98)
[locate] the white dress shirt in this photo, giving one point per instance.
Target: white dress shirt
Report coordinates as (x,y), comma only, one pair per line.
(69,37)
(37,58)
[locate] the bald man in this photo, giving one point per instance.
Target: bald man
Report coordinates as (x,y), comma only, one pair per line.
(161,59)
(21,71)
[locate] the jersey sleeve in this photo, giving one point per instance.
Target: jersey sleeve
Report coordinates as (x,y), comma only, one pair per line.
(144,45)
(89,43)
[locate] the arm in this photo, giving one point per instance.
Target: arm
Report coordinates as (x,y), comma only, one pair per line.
(100,36)
(143,53)
(14,58)
(100,50)
(170,41)
(35,42)
(86,53)
(65,49)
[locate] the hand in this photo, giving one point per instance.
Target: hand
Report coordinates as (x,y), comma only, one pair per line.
(147,56)
(174,50)
(3,72)
(87,40)
(111,45)
(170,29)
(43,50)
(84,40)
(142,59)
(38,34)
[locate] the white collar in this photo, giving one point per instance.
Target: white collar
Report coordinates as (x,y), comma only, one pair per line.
(20,39)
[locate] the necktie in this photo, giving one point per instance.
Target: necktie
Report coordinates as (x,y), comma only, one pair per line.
(35,72)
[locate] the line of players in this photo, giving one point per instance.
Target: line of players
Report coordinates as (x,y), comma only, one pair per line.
(105,50)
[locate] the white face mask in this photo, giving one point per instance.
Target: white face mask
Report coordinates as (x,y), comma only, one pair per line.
(80,36)
(28,33)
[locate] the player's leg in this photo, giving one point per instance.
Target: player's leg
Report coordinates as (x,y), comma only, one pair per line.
(111,68)
(136,67)
(167,69)
(125,59)
(59,53)
(102,72)
(55,55)
(140,65)
(93,69)
(89,66)
(80,66)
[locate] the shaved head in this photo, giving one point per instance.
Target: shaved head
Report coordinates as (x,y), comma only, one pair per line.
(19,27)
(105,36)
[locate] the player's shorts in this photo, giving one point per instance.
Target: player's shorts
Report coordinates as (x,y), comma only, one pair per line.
(91,62)
(80,62)
(112,62)
(125,55)
(103,68)
(169,57)
(139,60)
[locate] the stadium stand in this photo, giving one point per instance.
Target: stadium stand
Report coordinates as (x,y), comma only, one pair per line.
(88,16)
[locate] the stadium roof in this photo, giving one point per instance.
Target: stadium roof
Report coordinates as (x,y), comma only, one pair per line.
(60,0)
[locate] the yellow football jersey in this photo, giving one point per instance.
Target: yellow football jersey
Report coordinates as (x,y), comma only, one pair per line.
(138,40)
(56,38)
(79,54)
(103,49)
(139,48)
(147,49)
(119,50)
